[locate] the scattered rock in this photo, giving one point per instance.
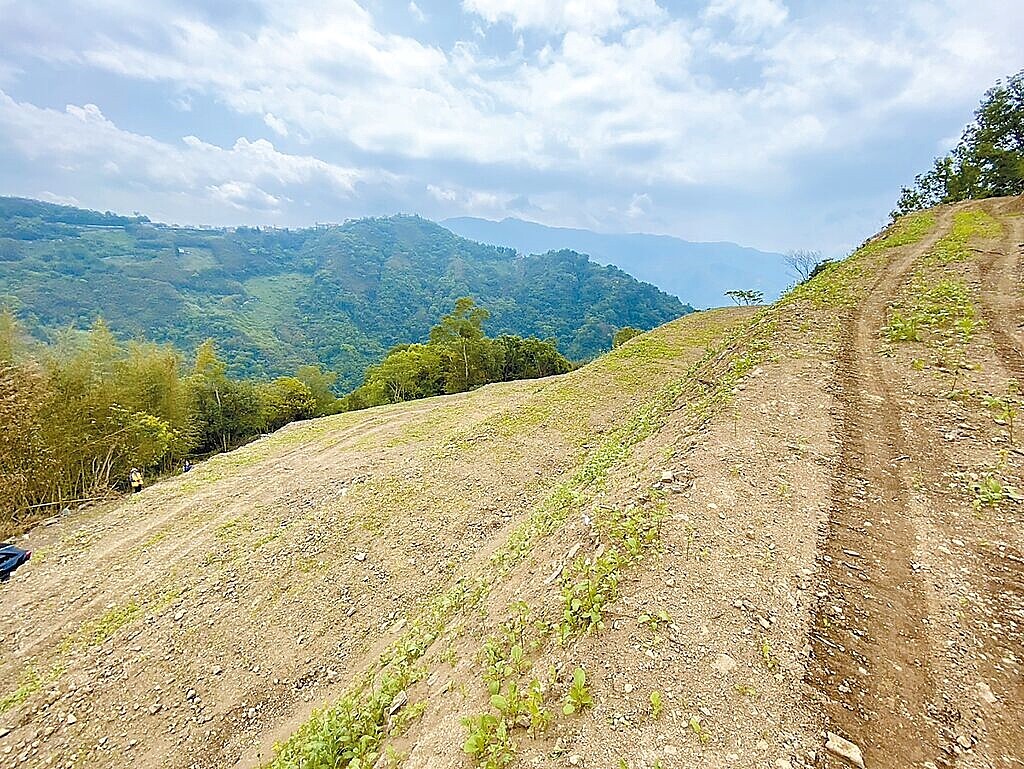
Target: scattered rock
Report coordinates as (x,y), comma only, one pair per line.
(985,692)
(4,731)
(783,763)
(71,719)
(844,749)
(964,741)
(360,557)
(723,664)
(179,615)
(217,670)
(667,476)
(398,702)
(155,708)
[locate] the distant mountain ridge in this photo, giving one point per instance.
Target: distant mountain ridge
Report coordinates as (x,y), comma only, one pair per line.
(275,299)
(698,273)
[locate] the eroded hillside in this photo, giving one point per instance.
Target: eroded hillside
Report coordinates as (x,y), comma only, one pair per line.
(746,528)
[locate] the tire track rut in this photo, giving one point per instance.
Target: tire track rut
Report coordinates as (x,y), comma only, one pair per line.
(871,656)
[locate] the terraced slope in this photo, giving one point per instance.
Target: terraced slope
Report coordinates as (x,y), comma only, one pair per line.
(744,528)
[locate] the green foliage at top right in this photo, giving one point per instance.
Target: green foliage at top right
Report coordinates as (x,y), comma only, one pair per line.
(989,160)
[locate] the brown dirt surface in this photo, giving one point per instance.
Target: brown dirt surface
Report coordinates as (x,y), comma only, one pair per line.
(804,520)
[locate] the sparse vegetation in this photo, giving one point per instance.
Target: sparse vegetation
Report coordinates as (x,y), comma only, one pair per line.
(942,311)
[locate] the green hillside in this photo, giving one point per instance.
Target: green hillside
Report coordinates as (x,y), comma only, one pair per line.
(276,299)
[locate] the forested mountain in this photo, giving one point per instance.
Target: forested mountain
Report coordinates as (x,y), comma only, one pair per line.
(699,273)
(275,299)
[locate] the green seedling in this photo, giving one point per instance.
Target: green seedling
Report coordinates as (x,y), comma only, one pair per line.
(657,704)
(1003,412)
(578,699)
(697,728)
(768,656)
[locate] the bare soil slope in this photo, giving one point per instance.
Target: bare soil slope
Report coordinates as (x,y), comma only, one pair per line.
(748,528)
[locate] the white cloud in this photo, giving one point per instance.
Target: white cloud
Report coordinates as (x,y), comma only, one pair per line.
(567,97)
(275,124)
(750,17)
(82,140)
(592,16)
(244,196)
(640,205)
(416,12)
(640,105)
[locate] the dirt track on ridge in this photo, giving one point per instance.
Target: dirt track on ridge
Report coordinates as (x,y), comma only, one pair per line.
(917,637)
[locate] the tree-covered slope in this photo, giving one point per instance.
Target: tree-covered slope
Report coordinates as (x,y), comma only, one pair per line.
(699,273)
(277,299)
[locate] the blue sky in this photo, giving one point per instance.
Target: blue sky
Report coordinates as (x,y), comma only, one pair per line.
(773,123)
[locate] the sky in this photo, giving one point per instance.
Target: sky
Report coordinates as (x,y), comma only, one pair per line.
(778,124)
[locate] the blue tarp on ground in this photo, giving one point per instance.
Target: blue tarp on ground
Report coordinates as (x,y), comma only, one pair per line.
(11,558)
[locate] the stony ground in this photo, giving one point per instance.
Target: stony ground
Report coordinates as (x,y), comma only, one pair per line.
(813,514)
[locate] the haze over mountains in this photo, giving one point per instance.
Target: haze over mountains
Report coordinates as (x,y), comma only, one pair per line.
(698,273)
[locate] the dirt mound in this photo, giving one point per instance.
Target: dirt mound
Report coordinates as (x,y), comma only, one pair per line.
(712,547)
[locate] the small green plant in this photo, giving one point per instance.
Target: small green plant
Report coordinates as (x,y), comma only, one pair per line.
(989,491)
(657,704)
(655,621)
(489,741)
(698,728)
(1004,412)
(902,329)
(540,716)
(585,599)
(768,656)
(578,699)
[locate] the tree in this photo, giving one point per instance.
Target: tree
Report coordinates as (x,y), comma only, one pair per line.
(461,332)
(987,162)
(285,400)
(743,297)
(624,334)
(802,262)
(209,384)
(319,383)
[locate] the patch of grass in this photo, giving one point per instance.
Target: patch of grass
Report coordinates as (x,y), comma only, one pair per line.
(967,225)
(29,684)
(489,741)
(351,732)
(1004,412)
(940,312)
(989,491)
(588,588)
(96,632)
(840,284)
(156,539)
(905,231)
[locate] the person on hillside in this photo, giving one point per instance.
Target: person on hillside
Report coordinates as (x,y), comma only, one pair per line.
(135,479)
(186,466)
(11,558)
